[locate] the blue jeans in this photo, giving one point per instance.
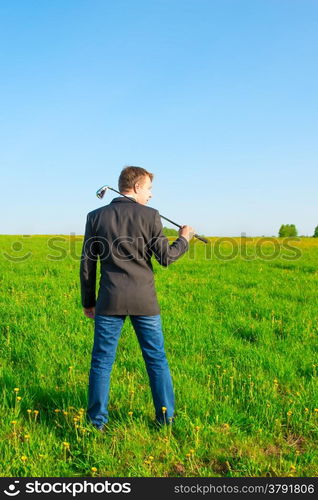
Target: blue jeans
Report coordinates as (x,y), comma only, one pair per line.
(149,333)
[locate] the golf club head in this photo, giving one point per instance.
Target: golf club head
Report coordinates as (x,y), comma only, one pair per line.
(101,191)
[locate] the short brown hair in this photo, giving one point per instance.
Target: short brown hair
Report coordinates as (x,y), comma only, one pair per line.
(130,175)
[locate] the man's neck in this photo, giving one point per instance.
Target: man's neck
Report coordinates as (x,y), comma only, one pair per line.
(131,195)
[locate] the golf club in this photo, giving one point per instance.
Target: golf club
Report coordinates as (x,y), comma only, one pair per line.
(100,194)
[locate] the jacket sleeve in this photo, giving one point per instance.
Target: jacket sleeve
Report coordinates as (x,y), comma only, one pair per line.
(165,253)
(88,266)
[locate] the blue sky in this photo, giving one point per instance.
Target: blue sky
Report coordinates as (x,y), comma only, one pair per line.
(217,98)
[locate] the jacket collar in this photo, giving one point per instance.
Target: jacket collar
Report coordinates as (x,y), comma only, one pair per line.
(122,199)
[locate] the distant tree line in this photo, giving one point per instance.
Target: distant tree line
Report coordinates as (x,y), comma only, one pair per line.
(285,230)
(291,230)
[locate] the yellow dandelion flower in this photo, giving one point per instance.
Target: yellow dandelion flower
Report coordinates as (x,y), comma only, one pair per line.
(197,427)
(130,413)
(188,455)
(292,467)
(16,389)
(66,444)
(24,458)
(289,413)
(27,436)
(65,413)
(13,422)
(36,412)
(275,381)
(94,469)
(164,409)
(316,409)
(306,409)
(19,398)
(29,411)
(192,451)
(151,458)
(57,410)
(147,462)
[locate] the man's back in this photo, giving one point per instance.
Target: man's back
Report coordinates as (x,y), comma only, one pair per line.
(125,235)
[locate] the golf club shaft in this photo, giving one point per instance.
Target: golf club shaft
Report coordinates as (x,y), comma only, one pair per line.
(171,221)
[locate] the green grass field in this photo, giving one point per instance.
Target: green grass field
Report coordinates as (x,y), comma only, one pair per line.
(241,340)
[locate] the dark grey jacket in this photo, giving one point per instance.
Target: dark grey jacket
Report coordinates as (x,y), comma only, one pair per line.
(124,235)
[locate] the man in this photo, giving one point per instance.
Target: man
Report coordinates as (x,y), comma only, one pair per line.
(125,235)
